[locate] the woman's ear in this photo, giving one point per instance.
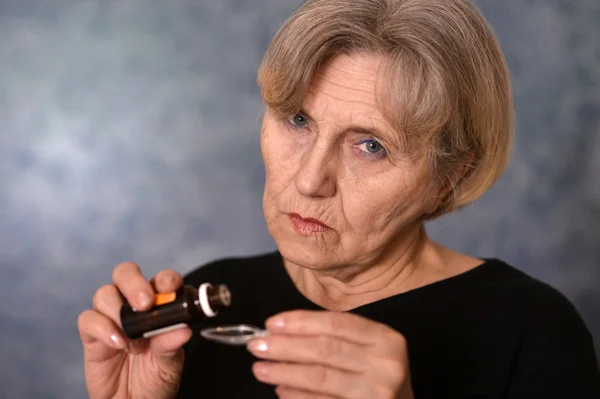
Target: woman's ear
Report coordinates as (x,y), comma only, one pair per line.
(451,181)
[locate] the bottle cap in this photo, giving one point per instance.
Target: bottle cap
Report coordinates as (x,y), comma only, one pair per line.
(212,299)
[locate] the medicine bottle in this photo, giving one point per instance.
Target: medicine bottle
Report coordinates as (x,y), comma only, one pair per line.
(175,310)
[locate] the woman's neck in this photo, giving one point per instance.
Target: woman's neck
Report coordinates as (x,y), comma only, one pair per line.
(412,262)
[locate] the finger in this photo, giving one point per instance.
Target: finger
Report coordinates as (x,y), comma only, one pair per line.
(324,349)
(108,301)
(166,281)
(166,347)
(318,379)
(348,326)
(291,393)
(137,290)
(99,333)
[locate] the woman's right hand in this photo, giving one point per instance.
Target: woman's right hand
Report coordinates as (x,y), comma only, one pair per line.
(116,367)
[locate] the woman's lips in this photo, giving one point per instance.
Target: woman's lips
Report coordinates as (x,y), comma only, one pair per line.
(307,226)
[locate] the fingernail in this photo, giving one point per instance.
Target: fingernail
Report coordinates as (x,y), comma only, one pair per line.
(258,345)
(144,299)
(276,323)
(117,341)
(261,369)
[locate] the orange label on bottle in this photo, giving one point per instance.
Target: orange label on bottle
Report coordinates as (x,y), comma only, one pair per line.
(161,299)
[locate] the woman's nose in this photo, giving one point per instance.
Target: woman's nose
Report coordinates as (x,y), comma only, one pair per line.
(316,176)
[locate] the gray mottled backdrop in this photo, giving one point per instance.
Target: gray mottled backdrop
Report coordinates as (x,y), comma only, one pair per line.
(129,130)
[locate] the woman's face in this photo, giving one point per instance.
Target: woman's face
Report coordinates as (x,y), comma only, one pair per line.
(338,188)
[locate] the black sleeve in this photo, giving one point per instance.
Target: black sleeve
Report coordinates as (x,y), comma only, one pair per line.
(204,273)
(557,359)
(193,377)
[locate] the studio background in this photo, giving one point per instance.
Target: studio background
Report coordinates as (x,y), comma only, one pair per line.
(129,131)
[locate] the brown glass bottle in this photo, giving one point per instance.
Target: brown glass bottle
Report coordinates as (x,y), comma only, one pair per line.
(175,310)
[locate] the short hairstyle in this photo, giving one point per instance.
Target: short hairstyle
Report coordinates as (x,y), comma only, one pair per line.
(445,86)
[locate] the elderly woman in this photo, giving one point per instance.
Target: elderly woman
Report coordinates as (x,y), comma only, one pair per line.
(379,116)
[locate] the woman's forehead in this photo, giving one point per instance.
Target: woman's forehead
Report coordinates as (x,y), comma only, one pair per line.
(346,85)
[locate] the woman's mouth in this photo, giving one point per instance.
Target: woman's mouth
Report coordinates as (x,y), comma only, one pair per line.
(307,226)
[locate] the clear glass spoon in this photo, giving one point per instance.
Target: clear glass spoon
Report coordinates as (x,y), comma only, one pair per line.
(238,334)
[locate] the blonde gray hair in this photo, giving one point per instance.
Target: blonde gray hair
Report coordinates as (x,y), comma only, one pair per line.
(445,87)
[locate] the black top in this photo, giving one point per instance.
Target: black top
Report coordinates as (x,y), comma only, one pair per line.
(491,332)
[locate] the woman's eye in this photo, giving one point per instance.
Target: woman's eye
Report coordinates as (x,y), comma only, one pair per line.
(298,120)
(372,147)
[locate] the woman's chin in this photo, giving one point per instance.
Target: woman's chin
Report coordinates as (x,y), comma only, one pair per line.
(307,255)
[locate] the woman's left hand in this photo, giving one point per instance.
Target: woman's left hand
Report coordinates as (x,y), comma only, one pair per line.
(322,354)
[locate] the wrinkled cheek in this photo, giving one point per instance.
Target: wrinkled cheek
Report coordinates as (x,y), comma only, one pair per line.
(371,219)
(279,172)
(274,184)
(274,187)
(268,197)
(279,164)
